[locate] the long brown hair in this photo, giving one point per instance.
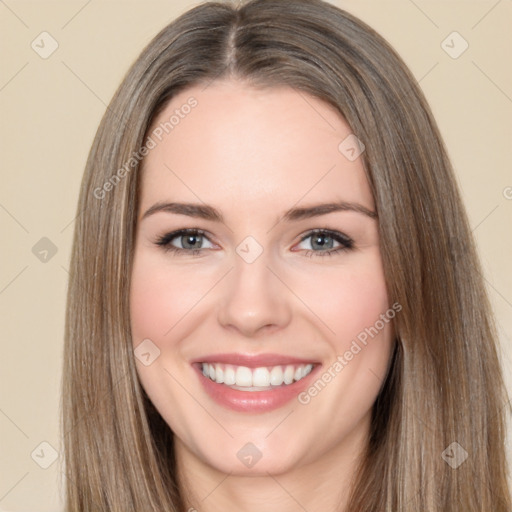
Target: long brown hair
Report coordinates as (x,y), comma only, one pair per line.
(445,384)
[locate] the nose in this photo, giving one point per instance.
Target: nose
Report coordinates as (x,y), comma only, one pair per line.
(254,300)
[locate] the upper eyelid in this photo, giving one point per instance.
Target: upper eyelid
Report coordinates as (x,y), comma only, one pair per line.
(171,235)
(345,241)
(333,232)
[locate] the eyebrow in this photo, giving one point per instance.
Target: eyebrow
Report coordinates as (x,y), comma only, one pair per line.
(207,212)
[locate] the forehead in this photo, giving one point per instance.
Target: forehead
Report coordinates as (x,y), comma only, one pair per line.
(238,145)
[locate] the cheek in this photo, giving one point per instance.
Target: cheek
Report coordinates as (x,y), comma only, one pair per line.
(348,299)
(360,318)
(353,306)
(149,299)
(361,304)
(160,297)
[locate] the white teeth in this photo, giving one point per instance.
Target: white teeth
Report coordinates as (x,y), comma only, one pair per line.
(255,379)
(289,373)
(243,376)
(229,376)
(261,377)
(276,376)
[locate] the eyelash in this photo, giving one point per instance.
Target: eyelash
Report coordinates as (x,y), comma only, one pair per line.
(346,243)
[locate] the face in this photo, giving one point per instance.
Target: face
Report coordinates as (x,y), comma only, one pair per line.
(259,316)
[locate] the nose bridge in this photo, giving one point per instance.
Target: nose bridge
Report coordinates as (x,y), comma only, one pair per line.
(252,296)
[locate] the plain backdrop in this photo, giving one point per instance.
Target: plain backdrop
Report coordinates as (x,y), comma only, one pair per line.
(50,107)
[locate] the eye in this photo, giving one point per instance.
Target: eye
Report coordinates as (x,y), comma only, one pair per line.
(325,242)
(184,240)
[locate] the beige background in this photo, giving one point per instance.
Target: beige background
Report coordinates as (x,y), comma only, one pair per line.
(50,109)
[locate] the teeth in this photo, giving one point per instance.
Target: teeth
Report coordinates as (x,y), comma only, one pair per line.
(276,376)
(243,376)
(255,379)
(289,374)
(229,376)
(219,375)
(260,377)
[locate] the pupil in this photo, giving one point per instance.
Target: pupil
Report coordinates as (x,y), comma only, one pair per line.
(320,240)
(190,239)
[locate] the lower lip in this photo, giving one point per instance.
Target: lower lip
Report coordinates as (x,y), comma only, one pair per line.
(254,401)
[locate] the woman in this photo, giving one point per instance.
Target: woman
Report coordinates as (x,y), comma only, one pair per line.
(275,301)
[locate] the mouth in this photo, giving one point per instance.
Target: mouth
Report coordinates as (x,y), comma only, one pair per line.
(256,385)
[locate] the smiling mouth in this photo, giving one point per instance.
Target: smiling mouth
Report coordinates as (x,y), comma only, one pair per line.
(263,378)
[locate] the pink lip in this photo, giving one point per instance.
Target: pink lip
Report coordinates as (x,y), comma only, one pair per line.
(254,401)
(252,361)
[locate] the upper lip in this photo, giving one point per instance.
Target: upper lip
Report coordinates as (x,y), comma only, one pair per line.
(252,360)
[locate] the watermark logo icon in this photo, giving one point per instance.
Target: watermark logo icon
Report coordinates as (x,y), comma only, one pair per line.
(44,250)
(146,352)
(351,147)
(454,455)
(249,455)
(454,45)
(44,455)
(249,249)
(44,45)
